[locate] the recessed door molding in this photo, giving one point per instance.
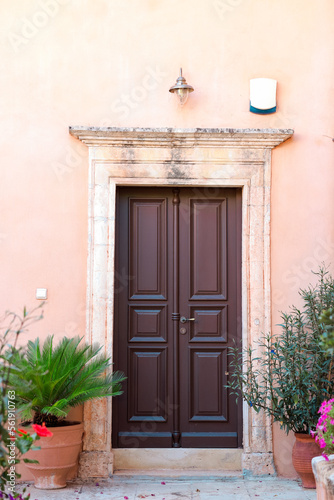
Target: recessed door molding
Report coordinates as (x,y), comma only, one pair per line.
(177,157)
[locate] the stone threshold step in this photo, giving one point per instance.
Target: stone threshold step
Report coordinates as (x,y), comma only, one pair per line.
(195,460)
(176,474)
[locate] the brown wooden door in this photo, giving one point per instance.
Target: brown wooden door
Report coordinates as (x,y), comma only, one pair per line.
(177,309)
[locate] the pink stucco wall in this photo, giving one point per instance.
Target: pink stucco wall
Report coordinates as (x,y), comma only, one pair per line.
(111,62)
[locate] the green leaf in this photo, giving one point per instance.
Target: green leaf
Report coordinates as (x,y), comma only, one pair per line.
(23,445)
(30,461)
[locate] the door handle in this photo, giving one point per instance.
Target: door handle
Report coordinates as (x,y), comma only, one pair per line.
(184,320)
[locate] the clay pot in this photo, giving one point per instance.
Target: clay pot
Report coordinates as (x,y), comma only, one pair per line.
(304,449)
(57,457)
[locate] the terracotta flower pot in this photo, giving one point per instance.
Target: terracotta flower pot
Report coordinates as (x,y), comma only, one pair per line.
(304,449)
(57,457)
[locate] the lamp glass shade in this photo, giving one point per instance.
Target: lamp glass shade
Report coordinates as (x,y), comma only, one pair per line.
(183,95)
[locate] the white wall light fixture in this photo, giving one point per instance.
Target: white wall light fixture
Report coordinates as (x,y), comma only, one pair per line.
(181,89)
(263,96)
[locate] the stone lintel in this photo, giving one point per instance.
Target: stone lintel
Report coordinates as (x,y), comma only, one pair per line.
(173,137)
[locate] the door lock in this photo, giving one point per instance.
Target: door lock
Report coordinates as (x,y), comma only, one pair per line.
(184,320)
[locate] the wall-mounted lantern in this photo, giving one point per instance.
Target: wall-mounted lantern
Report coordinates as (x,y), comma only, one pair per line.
(181,89)
(263,96)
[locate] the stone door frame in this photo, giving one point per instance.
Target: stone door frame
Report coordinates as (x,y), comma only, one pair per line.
(177,157)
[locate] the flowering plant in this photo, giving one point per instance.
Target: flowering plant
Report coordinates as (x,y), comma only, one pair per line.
(22,441)
(324,433)
(13,443)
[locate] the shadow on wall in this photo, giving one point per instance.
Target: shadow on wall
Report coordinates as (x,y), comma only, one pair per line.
(283,452)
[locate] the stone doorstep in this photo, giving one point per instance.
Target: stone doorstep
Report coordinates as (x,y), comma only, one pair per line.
(178,460)
(178,475)
(323,471)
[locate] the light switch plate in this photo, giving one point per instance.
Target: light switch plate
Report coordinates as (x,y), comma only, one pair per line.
(41,293)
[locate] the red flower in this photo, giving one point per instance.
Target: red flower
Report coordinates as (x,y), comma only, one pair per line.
(21,431)
(41,430)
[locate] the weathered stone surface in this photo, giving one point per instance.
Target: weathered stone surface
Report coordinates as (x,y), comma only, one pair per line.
(96,425)
(181,459)
(95,464)
(180,486)
(323,471)
(132,137)
(259,464)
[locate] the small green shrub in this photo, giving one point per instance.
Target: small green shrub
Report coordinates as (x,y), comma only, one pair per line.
(291,374)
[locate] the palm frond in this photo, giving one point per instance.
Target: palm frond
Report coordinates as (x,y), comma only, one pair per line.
(52,379)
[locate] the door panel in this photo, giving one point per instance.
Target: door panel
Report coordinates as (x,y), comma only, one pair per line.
(147,257)
(206,385)
(177,310)
(207,247)
(210,323)
(147,371)
(147,323)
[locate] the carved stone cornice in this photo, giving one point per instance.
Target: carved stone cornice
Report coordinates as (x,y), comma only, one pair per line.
(250,138)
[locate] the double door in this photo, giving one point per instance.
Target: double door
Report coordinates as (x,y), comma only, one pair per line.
(177,310)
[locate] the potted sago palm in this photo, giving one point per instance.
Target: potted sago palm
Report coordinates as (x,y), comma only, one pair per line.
(290,374)
(48,381)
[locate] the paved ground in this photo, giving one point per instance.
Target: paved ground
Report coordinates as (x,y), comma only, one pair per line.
(194,488)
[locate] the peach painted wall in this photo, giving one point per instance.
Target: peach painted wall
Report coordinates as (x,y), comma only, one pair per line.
(110,63)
